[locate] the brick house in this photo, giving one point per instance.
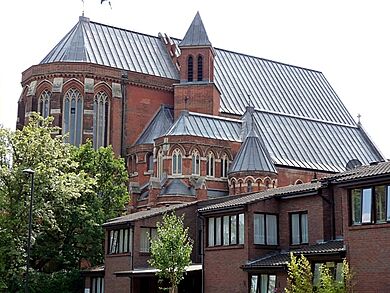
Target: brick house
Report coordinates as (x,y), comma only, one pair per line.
(198,125)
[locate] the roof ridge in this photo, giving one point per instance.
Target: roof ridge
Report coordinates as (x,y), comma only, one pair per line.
(306,118)
(123,29)
(214,117)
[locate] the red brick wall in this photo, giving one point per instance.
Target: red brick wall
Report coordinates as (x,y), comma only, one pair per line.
(222,269)
(367,251)
(201,98)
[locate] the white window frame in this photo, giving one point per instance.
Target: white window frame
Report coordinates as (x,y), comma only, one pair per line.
(72,123)
(44,103)
(177,162)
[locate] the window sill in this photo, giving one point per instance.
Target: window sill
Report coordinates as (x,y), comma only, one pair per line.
(225,247)
(265,246)
(369,226)
(118,254)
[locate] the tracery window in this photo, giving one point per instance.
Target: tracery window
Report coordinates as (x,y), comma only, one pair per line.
(101,108)
(73,116)
(44,103)
(190,68)
(224,166)
(195,163)
(200,68)
(210,165)
(176,162)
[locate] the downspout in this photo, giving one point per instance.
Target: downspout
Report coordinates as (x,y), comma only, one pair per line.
(202,229)
(123,110)
(132,257)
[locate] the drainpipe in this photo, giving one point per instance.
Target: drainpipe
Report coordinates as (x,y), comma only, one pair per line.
(202,229)
(123,122)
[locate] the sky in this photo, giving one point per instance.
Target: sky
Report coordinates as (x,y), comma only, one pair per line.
(347,40)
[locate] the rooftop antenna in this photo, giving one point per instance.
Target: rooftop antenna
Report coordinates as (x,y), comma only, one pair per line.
(359,116)
(83,8)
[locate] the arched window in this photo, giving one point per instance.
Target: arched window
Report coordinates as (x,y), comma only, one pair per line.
(73,116)
(132,163)
(200,68)
(160,164)
(44,103)
(224,166)
(267,183)
(190,68)
(299,181)
(234,186)
(249,187)
(210,165)
(101,106)
(149,162)
(176,162)
(195,163)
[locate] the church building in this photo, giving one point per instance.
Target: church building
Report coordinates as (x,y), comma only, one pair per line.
(199,126)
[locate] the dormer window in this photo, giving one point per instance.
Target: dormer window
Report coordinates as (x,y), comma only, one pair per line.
(190,69)
(200,68)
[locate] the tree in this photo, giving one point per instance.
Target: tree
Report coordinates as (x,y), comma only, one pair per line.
(171,250)
(67,209)
(299,275)
(300,278)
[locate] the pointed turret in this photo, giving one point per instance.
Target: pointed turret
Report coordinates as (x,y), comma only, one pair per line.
(196,34)
(252,168)
(196,91)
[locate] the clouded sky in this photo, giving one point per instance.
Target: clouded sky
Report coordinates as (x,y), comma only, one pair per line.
(348,40)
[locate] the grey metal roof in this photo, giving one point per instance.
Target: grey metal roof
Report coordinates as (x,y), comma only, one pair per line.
(147,214)
(313,144)
(177,187)
(282,258)
(196,34)
(110,46)
(367,171)
(196,124)
(277,87)
(301,119)
(158,126)
(252,156)
(258,196)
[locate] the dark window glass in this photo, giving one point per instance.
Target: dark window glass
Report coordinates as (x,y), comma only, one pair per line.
(190,69)
(200,68)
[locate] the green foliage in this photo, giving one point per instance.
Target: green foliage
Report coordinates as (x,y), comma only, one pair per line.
(171,250)
(300,278)
(69,205)
(299,275)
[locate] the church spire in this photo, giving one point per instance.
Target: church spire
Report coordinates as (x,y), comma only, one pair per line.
(196,34)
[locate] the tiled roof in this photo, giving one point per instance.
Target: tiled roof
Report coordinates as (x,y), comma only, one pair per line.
(195,124)
(374,170)
(196,34)
(158,126)
(146,214)
(282,258)
(254,197)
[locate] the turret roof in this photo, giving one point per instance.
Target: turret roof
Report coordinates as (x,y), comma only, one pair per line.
(196,34)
